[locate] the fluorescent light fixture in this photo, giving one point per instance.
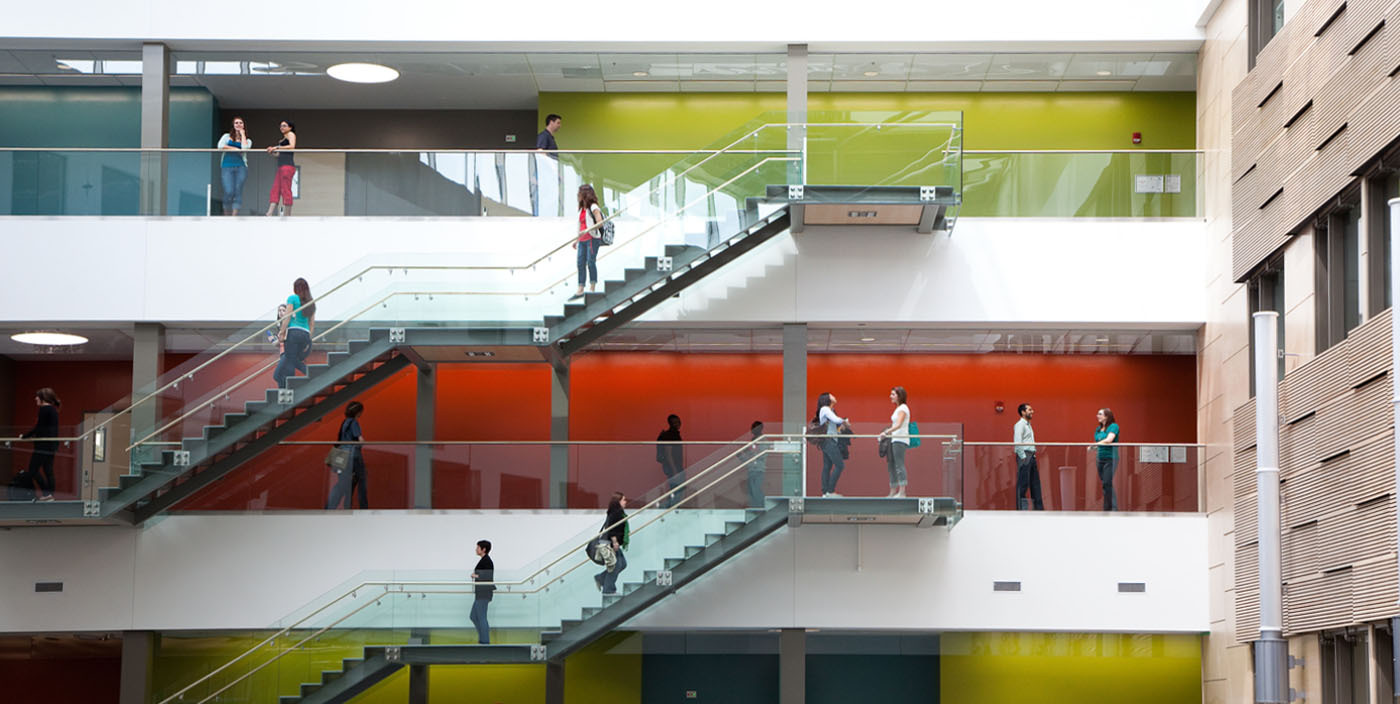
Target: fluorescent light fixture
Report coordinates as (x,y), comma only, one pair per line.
(362,73)
(1104,73)
(48,339)
(871,73)
(640,74)
(867,339)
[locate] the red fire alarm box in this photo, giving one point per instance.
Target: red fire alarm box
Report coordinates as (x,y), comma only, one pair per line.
(1137,138)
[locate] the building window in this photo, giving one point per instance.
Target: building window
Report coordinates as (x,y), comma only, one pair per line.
(1339,283)
(1266,293)
(1382,187)
(1266,19)
(1346,663)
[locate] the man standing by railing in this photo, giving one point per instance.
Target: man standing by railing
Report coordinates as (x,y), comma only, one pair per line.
(1027,469)
(485,572)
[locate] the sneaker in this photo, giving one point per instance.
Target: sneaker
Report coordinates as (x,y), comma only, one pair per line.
(607,593)
(46,498)
(598,581)
(834,495)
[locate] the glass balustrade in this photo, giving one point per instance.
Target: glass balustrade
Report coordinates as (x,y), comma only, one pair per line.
(1106,184)
(1144,477)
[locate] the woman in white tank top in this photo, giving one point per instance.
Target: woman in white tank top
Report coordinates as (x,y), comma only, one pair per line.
(898,434)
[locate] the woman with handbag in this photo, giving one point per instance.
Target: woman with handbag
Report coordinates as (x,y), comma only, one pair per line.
(897,437)
(833,463)
(616,534)
(295,333)
(590,217)
(348,462)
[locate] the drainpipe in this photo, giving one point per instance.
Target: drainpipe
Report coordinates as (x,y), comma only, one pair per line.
(1394,236)
(1270,650)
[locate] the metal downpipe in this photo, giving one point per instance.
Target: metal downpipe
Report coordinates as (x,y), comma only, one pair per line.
(1270,650)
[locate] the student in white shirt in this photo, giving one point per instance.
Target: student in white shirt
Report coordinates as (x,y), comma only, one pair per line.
(832,462)
(898,434)
(1027,469)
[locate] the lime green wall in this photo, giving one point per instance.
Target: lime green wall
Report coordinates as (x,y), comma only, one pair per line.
(991,120)
(1062,668)
(603,671)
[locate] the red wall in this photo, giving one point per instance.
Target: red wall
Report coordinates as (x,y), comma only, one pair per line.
(627,396)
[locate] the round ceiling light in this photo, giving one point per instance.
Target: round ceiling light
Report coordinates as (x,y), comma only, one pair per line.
(362,73)
(49,339)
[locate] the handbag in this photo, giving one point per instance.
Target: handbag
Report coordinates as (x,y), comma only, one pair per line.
(913,435)
(338,459)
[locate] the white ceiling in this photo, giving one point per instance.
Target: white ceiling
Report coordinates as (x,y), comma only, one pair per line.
(514,80)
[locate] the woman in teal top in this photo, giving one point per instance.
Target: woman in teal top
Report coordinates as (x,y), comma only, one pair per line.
(1105,435)
(295,333)
(233,166)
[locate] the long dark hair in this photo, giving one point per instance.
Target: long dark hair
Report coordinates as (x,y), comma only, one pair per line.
(586,197)
(1108,418)
(615,505)
(233,131)
(901,394)
(303,291)
(48,396)
(823,401)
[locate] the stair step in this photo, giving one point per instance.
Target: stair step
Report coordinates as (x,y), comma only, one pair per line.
(126,481)
(350,663)
(288,699)
(610,599)
(591,611)
(568,623)
(630,587)
(673,562)
(315,369)
(692,551)
(232,419)
(309,688)
(649,575)
(297,382)
(712,538)
(252,408)
(731,526)
(547,636)
(673,249)
(335,358)
(552,320)
(329,676)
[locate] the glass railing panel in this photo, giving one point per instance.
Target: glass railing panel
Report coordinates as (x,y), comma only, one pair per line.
(33,463)
(1079,184)
(1144,477)
(865,472)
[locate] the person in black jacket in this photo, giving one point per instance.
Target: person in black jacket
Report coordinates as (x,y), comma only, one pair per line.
(614,531)
(671,457)
(485,572)
(40,472)
(354,475)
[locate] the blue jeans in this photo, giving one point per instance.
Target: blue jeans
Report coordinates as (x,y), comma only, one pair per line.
(294,351)
(1107,466)
(348,479)
(233,177)
(610,578)
(483,629)
(588,261)
(832,465)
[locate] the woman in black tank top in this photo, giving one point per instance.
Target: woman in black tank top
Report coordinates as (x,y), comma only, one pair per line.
(286,169)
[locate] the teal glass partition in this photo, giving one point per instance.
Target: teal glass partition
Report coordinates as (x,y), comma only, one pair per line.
(1155,184)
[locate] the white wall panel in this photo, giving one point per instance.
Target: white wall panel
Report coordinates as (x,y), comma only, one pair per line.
(737,22)
(989,270)
(249,570)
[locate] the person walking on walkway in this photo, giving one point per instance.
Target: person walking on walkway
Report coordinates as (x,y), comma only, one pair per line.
(485,571)
(832,461)
(1027,468)
(898,436)
(1106,436)
(40,472)
(544,141)
(670,454)
(354,474)
(295,333)
(756,462)
(616,533)
(286,169)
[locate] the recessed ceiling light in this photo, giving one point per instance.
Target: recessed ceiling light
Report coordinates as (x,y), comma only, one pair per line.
(48,339)
(639,74)
(867,339)
(362,73)
(1105,73)
(872,73)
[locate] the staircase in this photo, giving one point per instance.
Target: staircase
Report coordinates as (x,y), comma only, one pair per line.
(165,480)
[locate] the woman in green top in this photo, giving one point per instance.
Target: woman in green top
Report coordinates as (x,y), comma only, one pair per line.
(295,333)
(1105,435)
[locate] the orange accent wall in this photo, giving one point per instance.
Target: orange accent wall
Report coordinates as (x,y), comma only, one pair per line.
(627,396)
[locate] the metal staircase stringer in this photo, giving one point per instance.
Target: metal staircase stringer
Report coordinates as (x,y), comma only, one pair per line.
(357,680)
(677,283)
(652,592)
(257,446)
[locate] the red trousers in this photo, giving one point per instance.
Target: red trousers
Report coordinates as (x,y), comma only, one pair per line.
(282,184)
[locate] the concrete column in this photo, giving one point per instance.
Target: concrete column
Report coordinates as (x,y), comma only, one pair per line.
(155,126)
(797,101)
(554,682)
(147,361)
(794,401)
(558,432)
(792,666)
(426,425)
(138,657)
